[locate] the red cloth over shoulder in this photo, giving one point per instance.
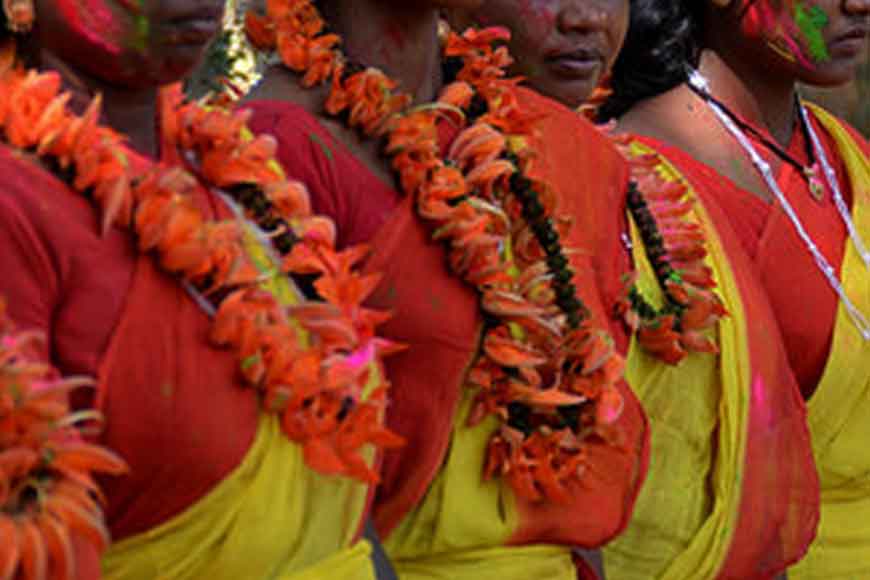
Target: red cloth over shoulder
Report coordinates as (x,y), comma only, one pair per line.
(173,410)
(434,313)
(590,177)
(779,506)
(803,301)
(437,315)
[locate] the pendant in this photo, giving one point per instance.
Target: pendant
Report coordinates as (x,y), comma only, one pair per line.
(817,188)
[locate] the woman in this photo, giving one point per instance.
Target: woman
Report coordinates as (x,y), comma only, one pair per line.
(721,110)
(562,48)
(707,436)
(498,478)
(246,415)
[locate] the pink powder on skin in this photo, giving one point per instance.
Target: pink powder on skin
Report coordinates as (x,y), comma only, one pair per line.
(774,19)
(95,22)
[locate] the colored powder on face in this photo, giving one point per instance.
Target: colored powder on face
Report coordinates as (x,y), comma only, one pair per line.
(811,23)
(785,54)
(139,41)
(94,21)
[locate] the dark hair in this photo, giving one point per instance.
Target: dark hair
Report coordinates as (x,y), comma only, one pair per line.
(663,37)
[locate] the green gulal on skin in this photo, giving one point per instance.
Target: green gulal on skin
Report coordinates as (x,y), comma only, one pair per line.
(139,40)
(811,22)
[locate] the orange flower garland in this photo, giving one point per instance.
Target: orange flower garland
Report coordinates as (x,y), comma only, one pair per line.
(314,384)
(543,371)
(676,249)
(47,490)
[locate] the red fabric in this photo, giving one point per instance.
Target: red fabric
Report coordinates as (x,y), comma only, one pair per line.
(590,176)
(434,313)
(173,409)
(803,302)
(779,507)
(438,317)
(778,512)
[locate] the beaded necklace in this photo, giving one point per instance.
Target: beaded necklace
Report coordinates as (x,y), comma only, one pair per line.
(676,249)
(544,372)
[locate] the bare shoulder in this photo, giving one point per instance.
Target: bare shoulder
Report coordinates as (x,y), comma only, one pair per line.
(672,117)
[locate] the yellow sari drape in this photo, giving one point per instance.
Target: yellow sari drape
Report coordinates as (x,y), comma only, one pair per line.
(686,511)
(271,518)
(731,491)
(839,412)
(460,529)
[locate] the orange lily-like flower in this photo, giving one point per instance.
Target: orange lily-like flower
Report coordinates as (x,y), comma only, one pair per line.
(466,196)
(48,495)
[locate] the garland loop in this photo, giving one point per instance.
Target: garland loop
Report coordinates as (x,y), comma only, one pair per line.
(544,372)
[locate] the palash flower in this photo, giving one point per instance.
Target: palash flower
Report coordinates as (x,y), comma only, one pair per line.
(157,205)
(679,243)
(501,233)
(47,492)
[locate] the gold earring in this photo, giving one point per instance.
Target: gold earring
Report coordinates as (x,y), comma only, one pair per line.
(20,15)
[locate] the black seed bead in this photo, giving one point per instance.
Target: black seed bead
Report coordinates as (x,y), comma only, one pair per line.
(347,405)
(351,68)
(450,68)
(557,263)
(570,415)
(271,223)
(478,107)
(656,253)
(520,184)
(285,242)
(549,235)
(566,291)
(563,276)
(519,417)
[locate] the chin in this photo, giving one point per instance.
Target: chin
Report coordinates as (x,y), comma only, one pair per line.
(830,77)
(572,95)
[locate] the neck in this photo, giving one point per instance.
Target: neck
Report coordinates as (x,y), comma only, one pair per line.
(756,95)
(130,112)
(400,38)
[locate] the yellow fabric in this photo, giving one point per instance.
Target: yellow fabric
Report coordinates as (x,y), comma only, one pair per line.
(685,515)
(271,518)
(459,530)
(839,412)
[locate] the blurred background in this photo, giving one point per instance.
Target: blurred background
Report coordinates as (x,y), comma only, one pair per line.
(231,60)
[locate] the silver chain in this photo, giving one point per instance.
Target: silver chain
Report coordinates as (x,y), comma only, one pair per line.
(858,318)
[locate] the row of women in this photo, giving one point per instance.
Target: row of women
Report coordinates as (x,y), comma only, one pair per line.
(404,310)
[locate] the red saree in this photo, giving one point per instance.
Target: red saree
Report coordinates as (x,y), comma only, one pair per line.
(438,317)
(824,349)
(214,489)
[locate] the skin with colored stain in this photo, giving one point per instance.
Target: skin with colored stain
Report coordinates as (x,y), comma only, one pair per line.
(792,28)
(95,21)
(811,22)
(129,43)
(819,42)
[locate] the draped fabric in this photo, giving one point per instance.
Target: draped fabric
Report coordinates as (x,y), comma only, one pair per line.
(439,518)
(795,286)
(731,491)
(840,409)
(829,360)
(214,489)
